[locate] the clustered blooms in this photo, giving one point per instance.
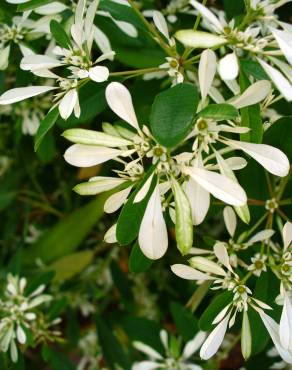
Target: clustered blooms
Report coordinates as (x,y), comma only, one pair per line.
(20,316)
(174,358)
(178,180)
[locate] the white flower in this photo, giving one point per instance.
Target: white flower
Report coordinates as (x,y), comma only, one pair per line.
(77,59)
(171,360)
(258,264)
(17,313)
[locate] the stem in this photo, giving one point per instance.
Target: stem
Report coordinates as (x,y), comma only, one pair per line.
(135,71)
(152,30)
(255,226)
(270,188)
(198,296)
(199,17)
(282,187)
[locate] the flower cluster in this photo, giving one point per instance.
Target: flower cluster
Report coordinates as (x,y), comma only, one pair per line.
(21,317)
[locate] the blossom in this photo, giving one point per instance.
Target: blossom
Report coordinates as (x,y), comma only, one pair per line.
(248,40)
(18,313)
(16,33)
(77,59)
(180,361)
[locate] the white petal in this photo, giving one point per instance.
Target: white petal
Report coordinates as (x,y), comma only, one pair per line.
(283,67)
(164,338)
(88,22)
(287,234)
(273,329)
(77,34)
(54,7)
(286,324)
(216,95)
(67,103)
(253,94)
(144,190)
(102,41)
(214,340)
(4,58)
(218,185)
(272,159)
(284,41)
(233,86)
(126,27)
(149,351)
(199,200)
(160,23)
(206,265)
(25,50)
(222,254)
(236,163)
(208,15)
(199,39)
(110,236)
(80,155)
(115,201)
(146,365)
(120,101)
(189,273)
(90,137)
(153,238)
(108,55)
(98,73)
(22,93)
(228,67)
(97,185)
(193,345)
(20,334)
(33,62)
(46,73)
(207,70)
(230,220)
(261,236)
(246,339)
(221,315)
(282,84)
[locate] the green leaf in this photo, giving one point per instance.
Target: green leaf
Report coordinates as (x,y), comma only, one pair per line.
(172,113)
(186,323)
(68,266)
(219,112)
(32,4)
(280,135)
(183,219)
(137,261)
(121,281)
(46,124)
(233,8)
(253,68)
(260,337)
(142,330)
(250,116)
(111,348)
(65,237)
(60,34)
(132,213)
(217,305)
(43,279)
